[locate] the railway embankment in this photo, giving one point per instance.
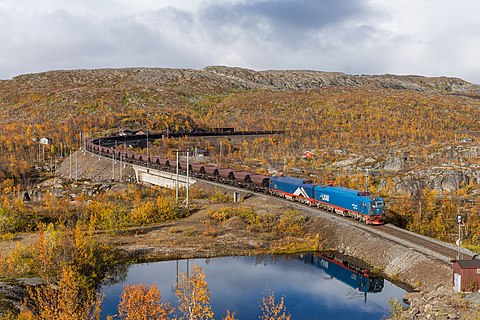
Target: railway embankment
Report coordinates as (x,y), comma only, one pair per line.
(194,236)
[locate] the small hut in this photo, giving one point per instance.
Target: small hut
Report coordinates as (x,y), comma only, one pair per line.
(309,154)
(466,275)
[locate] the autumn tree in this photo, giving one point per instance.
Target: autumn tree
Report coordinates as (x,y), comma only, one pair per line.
(66,300)
(193,296)
(271,310)
(229,315)
(142,302)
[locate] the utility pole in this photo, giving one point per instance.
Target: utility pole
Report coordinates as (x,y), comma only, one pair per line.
(176,181)
(459,241)
(284,166)
(120,179)
(76,166)
(366,180)
(188,176)
(221,151)
(70,158)
(148,160)
(113,165)
(420,211)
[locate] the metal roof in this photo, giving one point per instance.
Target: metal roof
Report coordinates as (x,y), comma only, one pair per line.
(469,264)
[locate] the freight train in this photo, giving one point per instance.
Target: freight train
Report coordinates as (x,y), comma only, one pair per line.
(362,206)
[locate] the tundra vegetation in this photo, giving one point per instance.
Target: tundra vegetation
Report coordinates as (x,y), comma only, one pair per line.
(334,122)
(372,121)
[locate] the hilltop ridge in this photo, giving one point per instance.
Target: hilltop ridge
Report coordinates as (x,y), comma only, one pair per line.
(235,78)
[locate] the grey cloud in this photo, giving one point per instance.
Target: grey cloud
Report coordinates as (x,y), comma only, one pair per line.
(306,14)
(291,38)
(63,40)
(260,34)
(344,35)
(310,34)
(276,20)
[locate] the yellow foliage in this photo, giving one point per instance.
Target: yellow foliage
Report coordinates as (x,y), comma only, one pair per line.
(271,310)
(141,302)
(143,214)
(67,300)
(193,296)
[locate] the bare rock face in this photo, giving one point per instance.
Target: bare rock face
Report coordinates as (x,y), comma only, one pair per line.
(13,292)
(454,169)
(446,180)
(456,153)
(441,179)
(304,79)
(397,163)
(409,186)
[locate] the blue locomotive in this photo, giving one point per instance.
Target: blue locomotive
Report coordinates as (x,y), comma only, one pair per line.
(362,206)
(291,188)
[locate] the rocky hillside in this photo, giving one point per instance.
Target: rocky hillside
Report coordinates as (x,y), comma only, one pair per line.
(415,133)
(303,79)
(222,78)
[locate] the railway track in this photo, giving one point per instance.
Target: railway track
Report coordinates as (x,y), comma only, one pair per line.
(443,251)
(434,249)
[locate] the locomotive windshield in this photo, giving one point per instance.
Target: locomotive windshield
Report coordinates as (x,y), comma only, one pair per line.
(377,207)
(378,204)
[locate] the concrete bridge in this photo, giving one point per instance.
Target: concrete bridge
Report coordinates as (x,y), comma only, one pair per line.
(161,178)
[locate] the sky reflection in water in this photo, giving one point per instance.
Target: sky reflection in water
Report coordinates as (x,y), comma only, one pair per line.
(237,284)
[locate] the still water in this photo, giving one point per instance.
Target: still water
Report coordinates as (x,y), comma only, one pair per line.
(314,286)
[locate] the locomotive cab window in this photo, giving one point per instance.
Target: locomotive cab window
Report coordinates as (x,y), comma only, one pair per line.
(379,204)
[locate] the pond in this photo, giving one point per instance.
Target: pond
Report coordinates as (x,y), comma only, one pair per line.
(314,286)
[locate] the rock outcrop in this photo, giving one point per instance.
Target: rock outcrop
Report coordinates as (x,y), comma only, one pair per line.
(440,304)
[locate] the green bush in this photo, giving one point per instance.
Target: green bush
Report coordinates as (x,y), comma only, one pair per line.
(219,197)
(245,213)
(11,222)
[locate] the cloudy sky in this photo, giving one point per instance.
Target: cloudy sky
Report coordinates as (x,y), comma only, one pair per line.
(426,37)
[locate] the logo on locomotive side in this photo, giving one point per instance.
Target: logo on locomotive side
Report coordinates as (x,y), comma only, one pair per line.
(325,197)
(301,192)
(324,264)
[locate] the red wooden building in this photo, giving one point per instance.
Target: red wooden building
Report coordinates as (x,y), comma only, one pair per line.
(466,275)
(309,154)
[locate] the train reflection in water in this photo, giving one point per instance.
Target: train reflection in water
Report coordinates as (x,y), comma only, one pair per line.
(350,272)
